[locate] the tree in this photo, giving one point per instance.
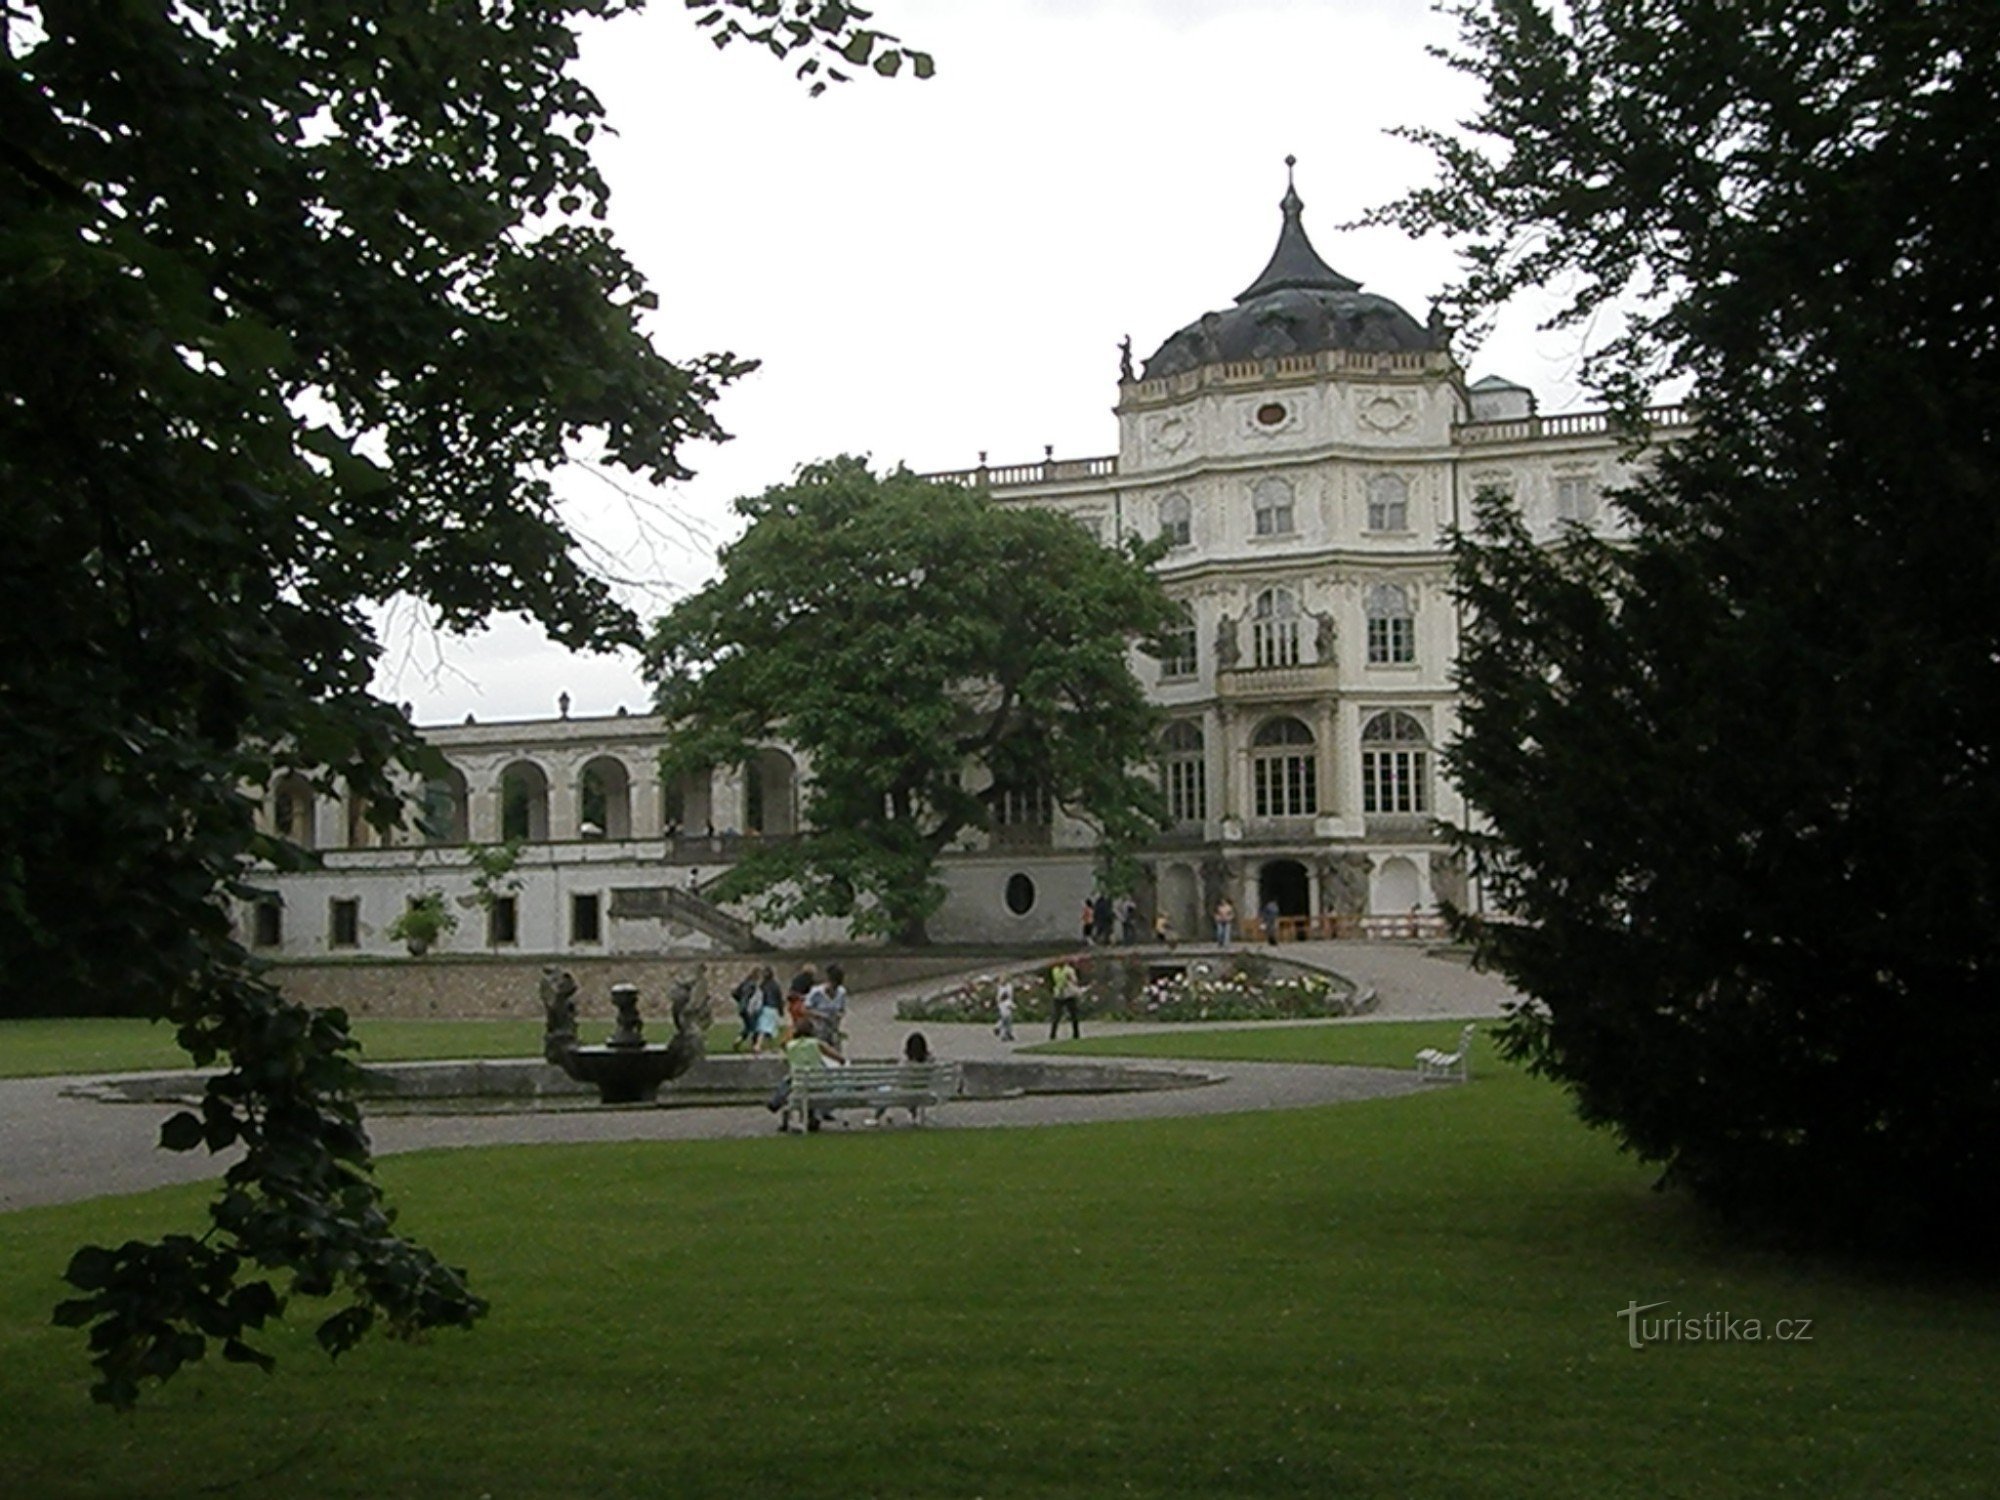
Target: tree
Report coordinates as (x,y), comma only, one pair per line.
(942,661)
(304,303)
(1736,772)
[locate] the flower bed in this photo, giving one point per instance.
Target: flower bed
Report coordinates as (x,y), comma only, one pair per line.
(1199,993)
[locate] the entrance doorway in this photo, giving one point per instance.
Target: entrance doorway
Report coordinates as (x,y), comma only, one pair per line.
(1285,882)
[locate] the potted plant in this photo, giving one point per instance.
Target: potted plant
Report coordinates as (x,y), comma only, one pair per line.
(424,920)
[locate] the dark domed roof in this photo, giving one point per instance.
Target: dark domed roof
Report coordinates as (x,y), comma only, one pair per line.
(1299,305)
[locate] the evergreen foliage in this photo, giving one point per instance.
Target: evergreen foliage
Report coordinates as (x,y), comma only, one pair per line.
(304,300)
(907,636)
(1736,771)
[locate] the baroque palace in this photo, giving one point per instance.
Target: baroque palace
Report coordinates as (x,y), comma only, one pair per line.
(1305,451)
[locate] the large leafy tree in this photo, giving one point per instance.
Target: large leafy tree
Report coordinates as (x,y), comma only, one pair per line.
(932,654)
(1737,771)
(304,301)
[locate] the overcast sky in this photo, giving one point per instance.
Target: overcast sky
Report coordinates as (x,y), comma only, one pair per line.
(931,269)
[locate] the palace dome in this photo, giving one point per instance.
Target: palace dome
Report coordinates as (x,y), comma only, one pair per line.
(1299,305)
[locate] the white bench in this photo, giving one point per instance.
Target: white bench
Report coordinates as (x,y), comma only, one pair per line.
(1434,1063)
(871,1085)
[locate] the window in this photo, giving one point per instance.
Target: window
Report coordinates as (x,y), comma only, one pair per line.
(1284,770)
(524,802)
(442,820)
(1179,654)
(503,922)
(1395,765)
(1020,895)
(585,923)
(1274,629)
(1576,498)
(1271,505)
(1177,520)
(267,923)
(343,922)
(1184,772)
(1388,503)
(1022,815)
(1392,627)
(294,810)
(1270,414)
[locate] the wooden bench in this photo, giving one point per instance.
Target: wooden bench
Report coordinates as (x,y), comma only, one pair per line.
(1436,1063)
(871,1085)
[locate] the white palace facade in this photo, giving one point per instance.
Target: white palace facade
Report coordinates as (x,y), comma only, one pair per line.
(1306,452)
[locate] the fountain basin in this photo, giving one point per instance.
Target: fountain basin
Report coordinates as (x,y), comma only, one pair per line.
(625,1075)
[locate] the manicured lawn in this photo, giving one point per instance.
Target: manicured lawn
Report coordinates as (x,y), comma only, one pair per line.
(1410,1297)
(1385,1044)
(32,1049)
(39,1049)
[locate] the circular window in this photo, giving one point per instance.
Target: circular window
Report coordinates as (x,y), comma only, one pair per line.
(1270,414)
(1020,894)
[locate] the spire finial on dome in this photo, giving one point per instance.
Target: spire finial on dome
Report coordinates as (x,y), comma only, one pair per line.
(1295,264)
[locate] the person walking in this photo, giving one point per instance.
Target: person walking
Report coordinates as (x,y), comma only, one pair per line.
(826,1007)
(1270,915)
(770,1010)
(1003,1001)
(1064,996)
(749,1001)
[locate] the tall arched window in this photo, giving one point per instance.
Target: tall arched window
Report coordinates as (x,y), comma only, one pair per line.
(1179,653)
(294,810)
(1184,771)
(1392,626)
(604,799)
(1284,770)
(1388,503)
(1274,629)
(443,818)
(1395,765)
(524,802)
(1177,520)
(1271,506)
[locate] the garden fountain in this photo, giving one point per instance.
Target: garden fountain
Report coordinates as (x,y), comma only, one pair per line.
(626,1069)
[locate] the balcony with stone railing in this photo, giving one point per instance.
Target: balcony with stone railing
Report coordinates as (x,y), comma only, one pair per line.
(1262,684)
(1051,470)
(1570,425)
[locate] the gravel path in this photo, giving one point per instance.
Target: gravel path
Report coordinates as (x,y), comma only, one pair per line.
(59,1149)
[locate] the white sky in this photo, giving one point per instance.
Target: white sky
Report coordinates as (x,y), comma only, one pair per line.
(929,269)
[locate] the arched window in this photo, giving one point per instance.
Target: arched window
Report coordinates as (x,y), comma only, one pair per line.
(524,802)
(1274,629)
(442,820)
(770,801)
(1179,653)
(1184,771)
(1392,627)
(1388,503)
(1271,506)
(1284,770)
(604,799)
(1177,520)
(294,810)
(1395,765)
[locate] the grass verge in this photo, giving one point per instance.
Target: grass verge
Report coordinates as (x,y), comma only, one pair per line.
(1410,1297)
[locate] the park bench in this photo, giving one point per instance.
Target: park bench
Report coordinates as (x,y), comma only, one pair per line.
(1436,1063)
(871,1085)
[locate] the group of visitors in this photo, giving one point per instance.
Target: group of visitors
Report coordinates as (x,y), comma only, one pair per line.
(1104,918)
(1225,921)
(810,1008)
